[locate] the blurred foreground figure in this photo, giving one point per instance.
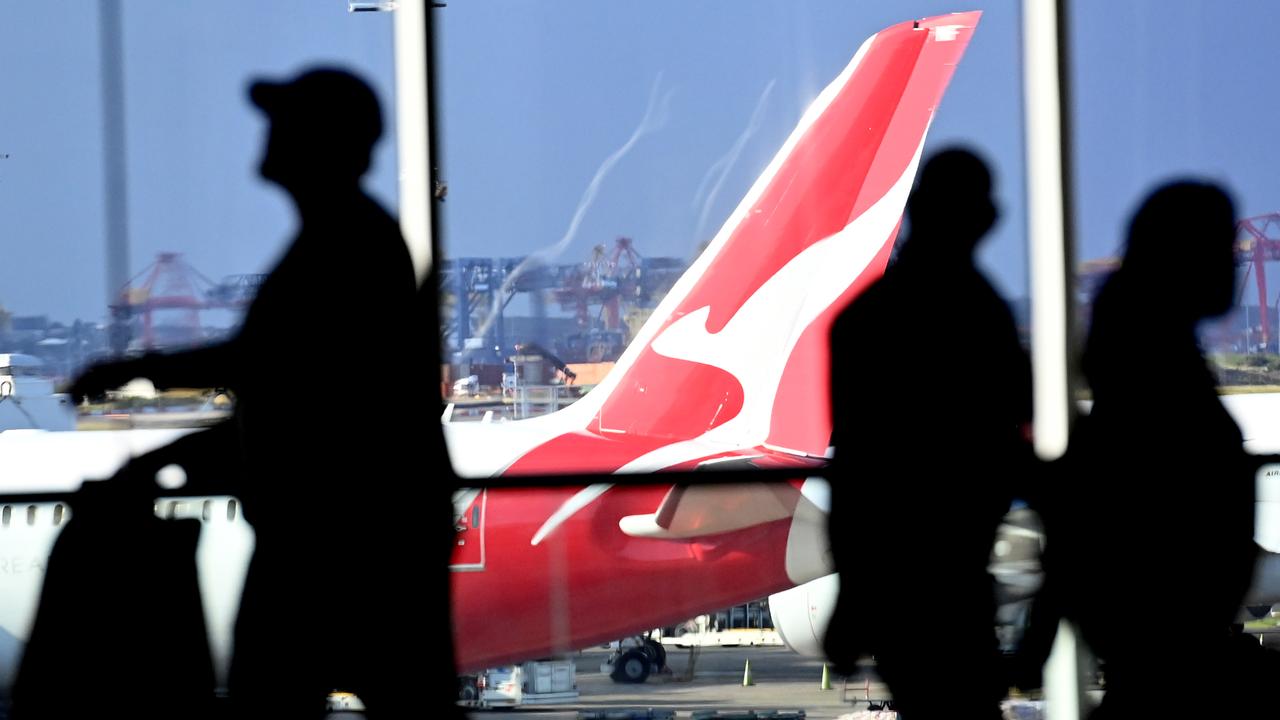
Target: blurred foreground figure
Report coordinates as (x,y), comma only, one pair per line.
(931,395)
(1158,507)
(335,464)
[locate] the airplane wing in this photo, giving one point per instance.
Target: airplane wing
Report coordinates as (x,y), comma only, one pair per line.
(688,512)
(701,510)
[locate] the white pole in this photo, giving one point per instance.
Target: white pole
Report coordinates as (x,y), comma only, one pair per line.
(1046,217)
(411,121)
(1051,254)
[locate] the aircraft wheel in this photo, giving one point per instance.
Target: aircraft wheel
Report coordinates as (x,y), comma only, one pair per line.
(657,653)
(632,667)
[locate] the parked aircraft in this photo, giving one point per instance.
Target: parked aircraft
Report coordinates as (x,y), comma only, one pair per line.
(730,369)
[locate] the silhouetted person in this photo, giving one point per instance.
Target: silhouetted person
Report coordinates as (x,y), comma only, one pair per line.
(1158,510)
(931,401)
(336,424)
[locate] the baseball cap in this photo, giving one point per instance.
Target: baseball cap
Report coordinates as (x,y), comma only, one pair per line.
(328,99)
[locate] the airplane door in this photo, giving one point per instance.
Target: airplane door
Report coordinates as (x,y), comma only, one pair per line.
(469,528)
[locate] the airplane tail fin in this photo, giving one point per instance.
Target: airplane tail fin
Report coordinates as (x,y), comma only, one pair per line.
(736,354)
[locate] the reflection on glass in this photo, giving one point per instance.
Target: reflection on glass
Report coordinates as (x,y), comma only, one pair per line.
(621,299)
(592,244)
(1155,87)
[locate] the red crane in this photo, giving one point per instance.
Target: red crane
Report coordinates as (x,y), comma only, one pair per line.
(1258,242)
(170,284)
(604,280)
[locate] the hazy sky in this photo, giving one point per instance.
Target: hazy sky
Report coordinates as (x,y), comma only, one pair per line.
(537,93)
(193,140)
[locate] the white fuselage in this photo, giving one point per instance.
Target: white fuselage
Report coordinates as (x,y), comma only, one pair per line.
(42,461)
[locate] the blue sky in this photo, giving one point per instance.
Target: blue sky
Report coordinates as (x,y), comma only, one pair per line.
(193,140)
(580,74)
(536,94)
(1168,89)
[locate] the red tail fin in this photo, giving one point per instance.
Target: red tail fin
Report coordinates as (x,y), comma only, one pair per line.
(736,354)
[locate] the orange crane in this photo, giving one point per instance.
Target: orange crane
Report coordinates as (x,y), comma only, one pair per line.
(170,284)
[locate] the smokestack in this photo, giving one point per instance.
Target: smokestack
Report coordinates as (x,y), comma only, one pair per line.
(111,39)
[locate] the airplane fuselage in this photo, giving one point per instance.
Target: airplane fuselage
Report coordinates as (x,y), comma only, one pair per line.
(587,582)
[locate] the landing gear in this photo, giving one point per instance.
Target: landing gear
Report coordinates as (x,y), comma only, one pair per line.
(634,658)
(657,654)
(631,667)
(468,692)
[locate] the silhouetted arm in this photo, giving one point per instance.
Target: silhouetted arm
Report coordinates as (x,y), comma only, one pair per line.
(206,367)
(212,460)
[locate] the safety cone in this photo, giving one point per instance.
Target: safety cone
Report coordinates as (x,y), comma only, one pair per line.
(826,678)
(746,675)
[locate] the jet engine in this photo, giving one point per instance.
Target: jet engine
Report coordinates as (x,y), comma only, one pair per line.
(800,615)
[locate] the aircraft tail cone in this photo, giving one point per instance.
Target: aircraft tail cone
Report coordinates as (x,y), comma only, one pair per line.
(826,678)
(746,675)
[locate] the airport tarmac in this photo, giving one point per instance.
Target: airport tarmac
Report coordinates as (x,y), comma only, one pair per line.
(782,681)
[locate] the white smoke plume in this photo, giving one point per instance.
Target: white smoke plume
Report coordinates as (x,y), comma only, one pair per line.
(655,117)
(714,179)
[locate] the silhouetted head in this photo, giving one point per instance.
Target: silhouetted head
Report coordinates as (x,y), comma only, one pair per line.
(951,208)
(324,124)
(1182,241)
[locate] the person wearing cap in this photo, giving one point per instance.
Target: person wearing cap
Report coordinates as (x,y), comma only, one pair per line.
(323,452)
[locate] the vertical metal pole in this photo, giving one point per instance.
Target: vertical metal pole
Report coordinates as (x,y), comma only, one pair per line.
(538,305)
(499,305)
(1260,276)
(463,307)
(115,195)
(1049,251)
(413,147)
(1045,75)
(415,64)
